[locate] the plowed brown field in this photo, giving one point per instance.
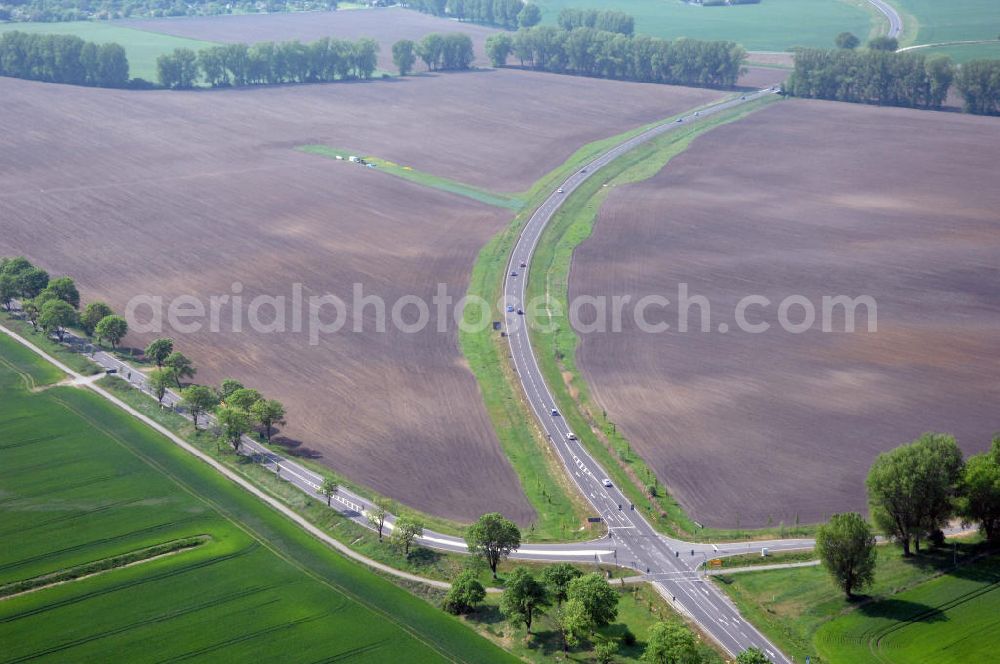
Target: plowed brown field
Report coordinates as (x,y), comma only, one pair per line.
(171,193)
(811,198)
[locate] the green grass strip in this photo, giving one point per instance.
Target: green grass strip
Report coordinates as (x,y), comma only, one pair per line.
(422,178)
(103,565)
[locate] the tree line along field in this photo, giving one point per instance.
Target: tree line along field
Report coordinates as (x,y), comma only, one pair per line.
(771,25)
(385,25)
(84,483)
(757,429)
(191,192)
(142,48)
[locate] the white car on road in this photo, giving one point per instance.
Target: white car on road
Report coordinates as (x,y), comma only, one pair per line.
(571,436)
(606,482)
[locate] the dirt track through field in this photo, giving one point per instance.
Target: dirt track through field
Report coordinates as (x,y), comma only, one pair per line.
(811,198)
(174,193)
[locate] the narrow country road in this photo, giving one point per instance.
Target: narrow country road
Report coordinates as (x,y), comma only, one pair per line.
(895,20)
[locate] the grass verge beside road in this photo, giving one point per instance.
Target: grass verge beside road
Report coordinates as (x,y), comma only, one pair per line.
(556,350)
(804,613)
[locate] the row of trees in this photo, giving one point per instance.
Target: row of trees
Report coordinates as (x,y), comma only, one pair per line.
(979,83)
(880,75)
(82,10)
(52,305)
(591,52)
(238,409)
(63,59)
(607,20)
(440,52)
(269,63)
(504,13)
(871,77)
(914,491)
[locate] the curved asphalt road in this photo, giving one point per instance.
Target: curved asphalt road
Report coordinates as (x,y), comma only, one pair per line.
(671,565)
(895,21)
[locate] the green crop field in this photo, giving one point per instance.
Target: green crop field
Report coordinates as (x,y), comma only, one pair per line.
(950,619)
(964,52)
(955,20)
(142,48)
(921,609)
(772,25)
(215,573)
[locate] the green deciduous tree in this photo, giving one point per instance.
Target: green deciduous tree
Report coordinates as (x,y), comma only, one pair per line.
(599,598)
(181,366)
(605,651)
(980,491)
(92,315)
(404,531)
(847,40)
(465,593)
(979,83)
(159,350)
(670,643)
(883,44)
(574,622)
(243,398)
(404,56)
(8,290)
(752,655)
(64,289)
(846,546)
(198,400)
(377,514)
(328,489)
(227,388)
(912,489)
(268,413)
(31,282)
(112,328)
(160,380)
(557,578)
(234,424)
(530,16)
(498,48)
(523,598)
(55,316)
(494,538)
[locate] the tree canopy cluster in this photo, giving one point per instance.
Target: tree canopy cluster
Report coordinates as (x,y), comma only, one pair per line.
(979,83)
(607,20)
(916,489)
(62,59)
(50,11)
(591,52)
(269,63)
(52,305)
(871,77)
(239,409)
(503,13)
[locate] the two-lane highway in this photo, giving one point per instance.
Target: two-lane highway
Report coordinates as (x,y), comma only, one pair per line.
(633,539)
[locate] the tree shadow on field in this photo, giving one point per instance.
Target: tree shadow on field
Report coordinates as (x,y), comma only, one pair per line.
(902,610)
(295,447)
